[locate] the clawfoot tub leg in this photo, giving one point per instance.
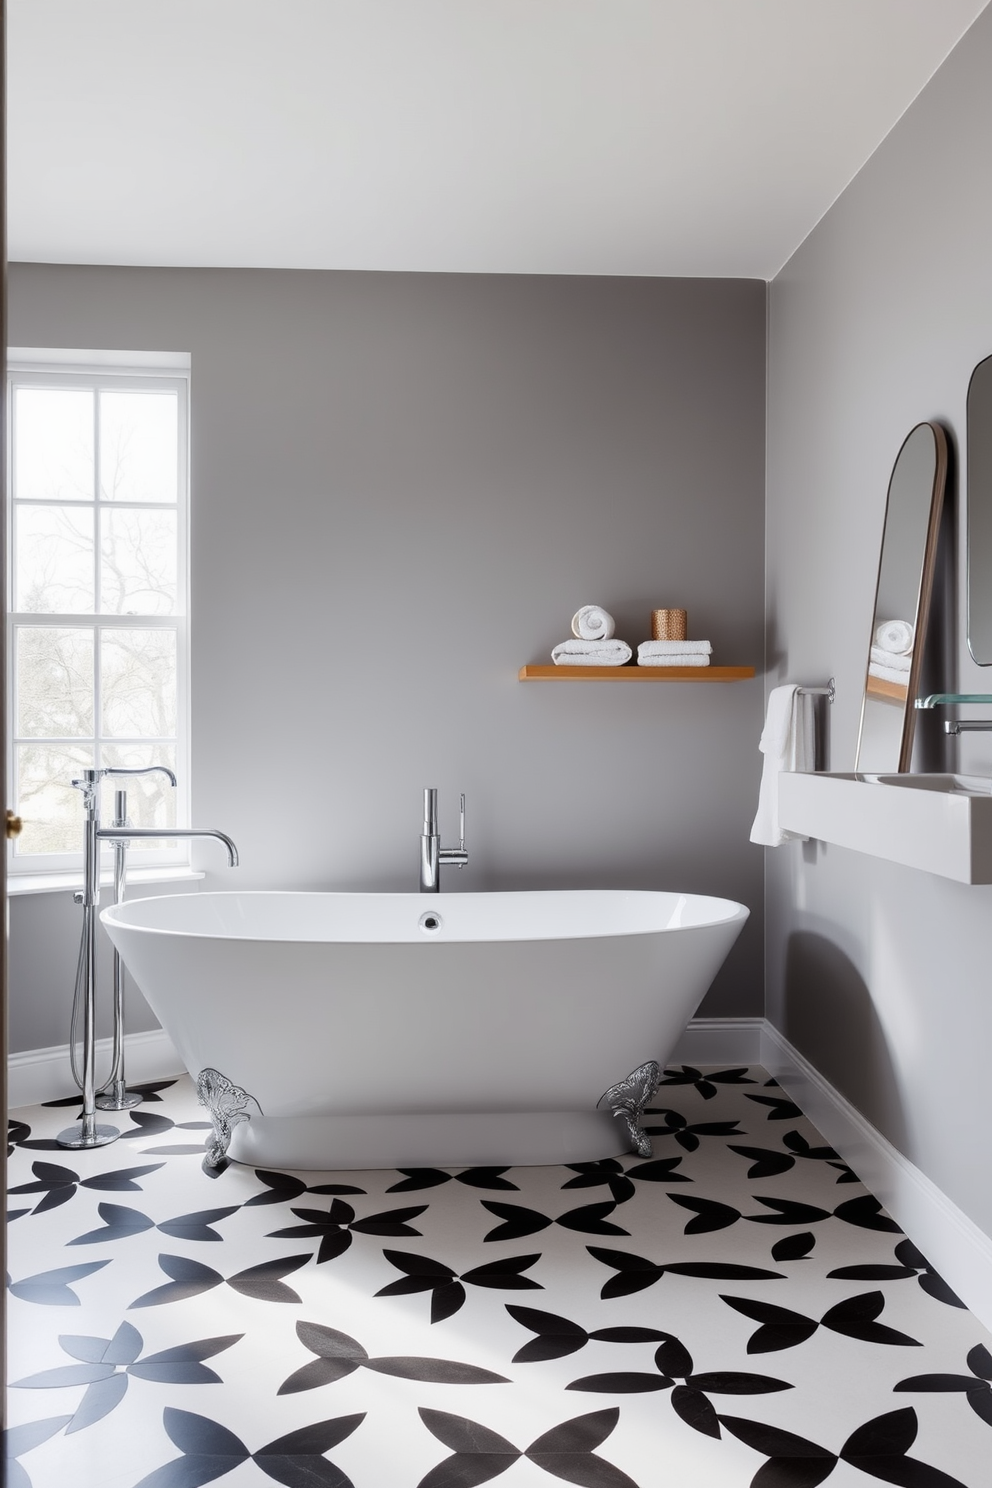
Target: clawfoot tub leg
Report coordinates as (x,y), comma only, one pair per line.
(226,1103)
(628,1099)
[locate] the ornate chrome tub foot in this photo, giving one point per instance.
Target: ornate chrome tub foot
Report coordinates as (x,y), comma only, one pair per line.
(226,1103)
(628,1099)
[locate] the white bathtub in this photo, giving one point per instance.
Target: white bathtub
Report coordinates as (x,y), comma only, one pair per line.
(358,1034)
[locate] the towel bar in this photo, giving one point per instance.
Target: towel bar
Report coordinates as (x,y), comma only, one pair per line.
(829,692)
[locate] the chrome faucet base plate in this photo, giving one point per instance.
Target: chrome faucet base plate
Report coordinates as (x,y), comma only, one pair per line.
(76,1137)
(114,1102)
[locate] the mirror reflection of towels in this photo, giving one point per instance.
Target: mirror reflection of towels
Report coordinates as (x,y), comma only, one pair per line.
(889,674)
(891,659)
(895,636)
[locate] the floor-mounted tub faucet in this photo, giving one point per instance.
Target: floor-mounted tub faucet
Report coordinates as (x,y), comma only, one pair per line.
(86,1132)
(432,854)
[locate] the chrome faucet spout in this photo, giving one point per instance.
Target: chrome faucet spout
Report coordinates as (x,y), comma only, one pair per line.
(134,834)
(144,770)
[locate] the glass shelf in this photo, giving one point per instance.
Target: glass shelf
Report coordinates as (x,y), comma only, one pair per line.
(948,699)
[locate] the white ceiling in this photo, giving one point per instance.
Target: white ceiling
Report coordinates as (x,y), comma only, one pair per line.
(677,137)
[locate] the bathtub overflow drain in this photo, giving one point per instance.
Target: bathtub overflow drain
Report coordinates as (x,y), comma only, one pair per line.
(430,923)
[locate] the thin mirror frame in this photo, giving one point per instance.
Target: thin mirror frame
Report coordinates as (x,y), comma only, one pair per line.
(979,553)
(925,591)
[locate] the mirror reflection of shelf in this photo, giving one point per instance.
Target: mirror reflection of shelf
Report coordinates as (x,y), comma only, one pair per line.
(886,692)
(634,674)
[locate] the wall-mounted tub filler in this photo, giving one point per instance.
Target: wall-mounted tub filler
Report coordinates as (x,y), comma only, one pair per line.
(432,854)
(86,1132)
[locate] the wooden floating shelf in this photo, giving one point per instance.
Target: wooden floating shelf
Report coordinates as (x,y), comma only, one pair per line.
(634,674)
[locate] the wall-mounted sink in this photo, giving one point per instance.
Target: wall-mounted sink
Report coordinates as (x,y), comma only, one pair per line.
(941,823)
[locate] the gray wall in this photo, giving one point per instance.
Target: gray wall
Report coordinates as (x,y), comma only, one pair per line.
(879,974)
(403,486)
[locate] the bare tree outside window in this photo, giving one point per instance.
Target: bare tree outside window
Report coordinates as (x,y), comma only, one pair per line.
(98,627)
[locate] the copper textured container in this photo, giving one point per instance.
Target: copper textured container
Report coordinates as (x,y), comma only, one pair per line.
(668,625)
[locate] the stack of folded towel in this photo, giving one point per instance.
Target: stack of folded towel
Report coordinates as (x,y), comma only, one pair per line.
(674,653)
(891,654)
(594,644)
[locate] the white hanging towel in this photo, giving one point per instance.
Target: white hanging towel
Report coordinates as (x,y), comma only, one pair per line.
(788,743)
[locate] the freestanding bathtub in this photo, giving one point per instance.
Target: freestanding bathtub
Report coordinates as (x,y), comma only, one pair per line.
(335,1030)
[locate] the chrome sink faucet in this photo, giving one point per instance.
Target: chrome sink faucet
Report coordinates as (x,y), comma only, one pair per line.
(959,725)
(432,854)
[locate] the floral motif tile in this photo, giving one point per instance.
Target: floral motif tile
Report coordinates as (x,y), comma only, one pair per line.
(734,1310)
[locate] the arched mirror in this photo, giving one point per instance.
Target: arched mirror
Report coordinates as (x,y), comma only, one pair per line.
(980,513)
(902,600)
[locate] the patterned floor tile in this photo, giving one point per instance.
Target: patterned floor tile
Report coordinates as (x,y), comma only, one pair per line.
(734,1310)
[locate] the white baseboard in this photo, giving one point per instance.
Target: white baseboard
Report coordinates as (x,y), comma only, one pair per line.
(720,1041)
(43,1074)
(959,1250)
(953,1243)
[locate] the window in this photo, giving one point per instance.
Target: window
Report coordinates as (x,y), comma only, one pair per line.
(97,634)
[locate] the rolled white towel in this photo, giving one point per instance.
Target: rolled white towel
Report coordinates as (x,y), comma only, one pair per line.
(592,623)
(891,659)
(675,659)
(673,648)
(895,636)
(888,674)
(591,653)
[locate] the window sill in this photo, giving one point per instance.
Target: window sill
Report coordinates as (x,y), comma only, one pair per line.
(50,883)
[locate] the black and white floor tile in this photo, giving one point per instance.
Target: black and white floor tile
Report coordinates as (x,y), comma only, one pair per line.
(735,1310)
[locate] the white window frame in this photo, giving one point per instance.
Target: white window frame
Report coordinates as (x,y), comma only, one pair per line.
(117,370)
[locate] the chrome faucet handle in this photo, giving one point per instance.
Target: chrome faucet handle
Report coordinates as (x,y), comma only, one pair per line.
(120,809)
(456,857)
(120,820)
(91,778)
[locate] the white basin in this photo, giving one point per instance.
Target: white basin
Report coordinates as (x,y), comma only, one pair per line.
(955,785)
(941,823)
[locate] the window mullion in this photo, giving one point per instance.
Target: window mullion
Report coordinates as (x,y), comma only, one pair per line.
(97,597)
(96,501)
(97,696)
